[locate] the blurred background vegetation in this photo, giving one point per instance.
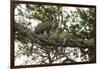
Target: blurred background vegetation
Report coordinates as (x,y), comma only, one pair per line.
(76,20)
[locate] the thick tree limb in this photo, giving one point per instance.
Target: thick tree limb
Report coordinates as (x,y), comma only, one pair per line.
(47,41)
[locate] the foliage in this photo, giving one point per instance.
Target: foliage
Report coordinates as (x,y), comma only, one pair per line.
(78,21)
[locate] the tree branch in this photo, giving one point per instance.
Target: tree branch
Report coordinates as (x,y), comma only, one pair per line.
(44,40)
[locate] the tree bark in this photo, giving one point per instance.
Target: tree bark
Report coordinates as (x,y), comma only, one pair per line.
(44,40)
